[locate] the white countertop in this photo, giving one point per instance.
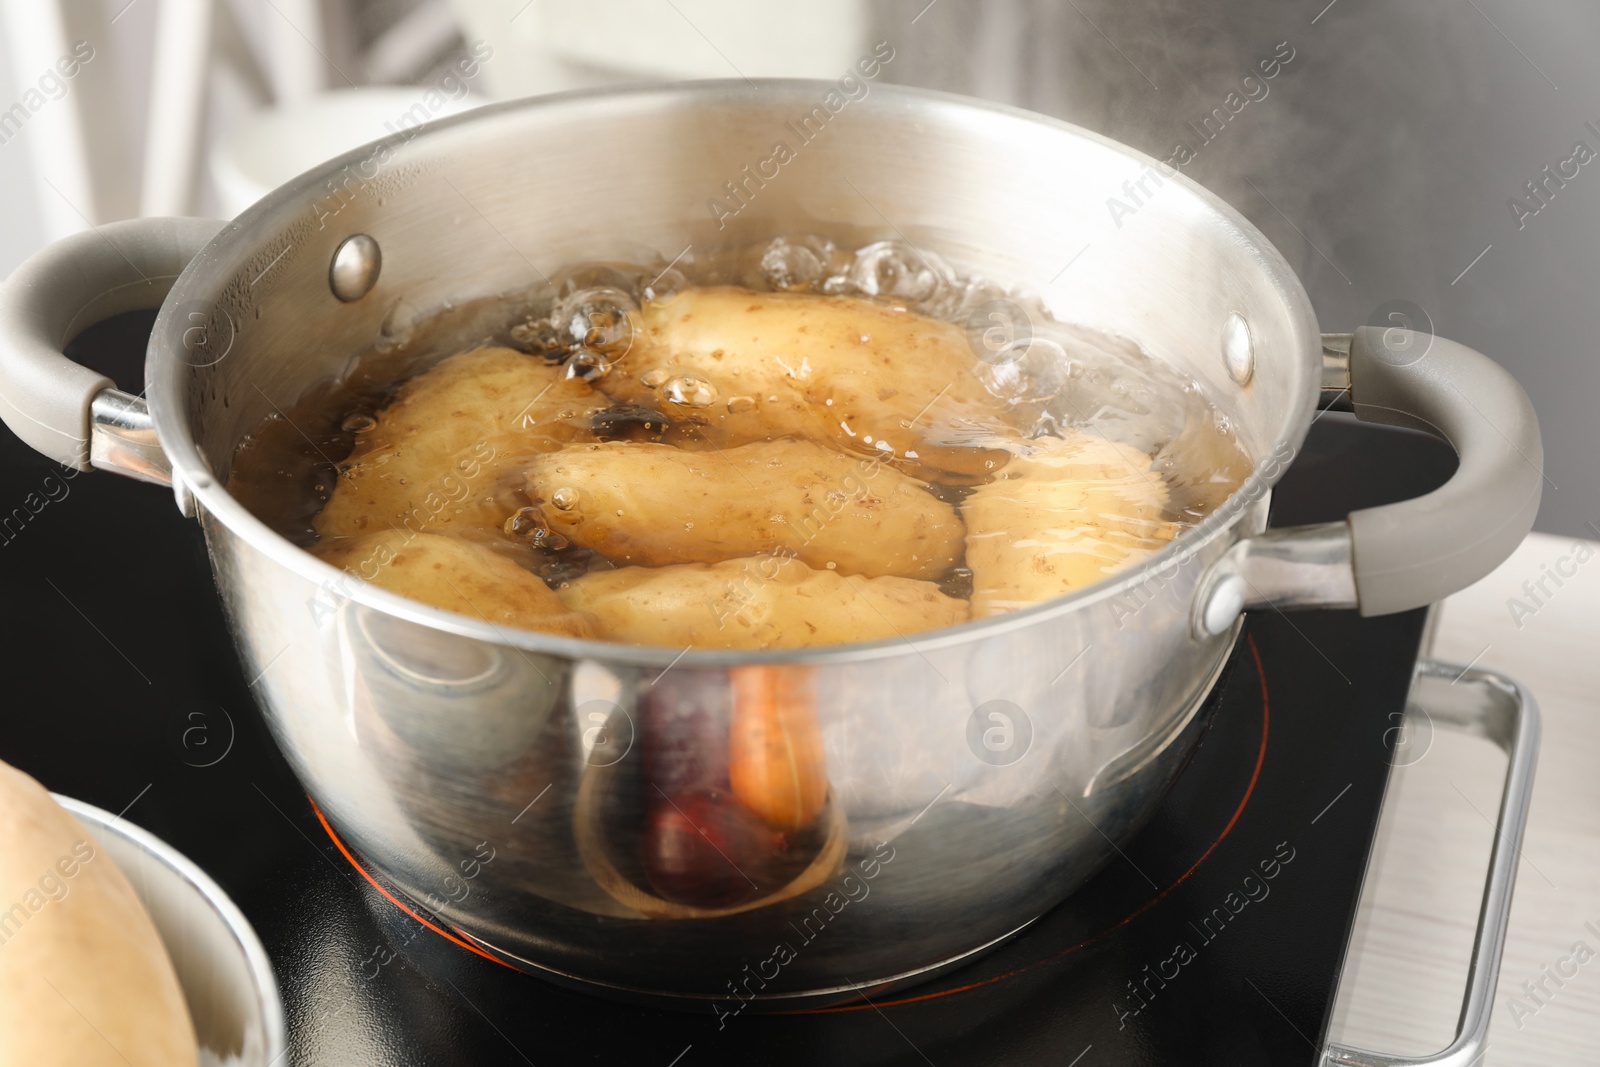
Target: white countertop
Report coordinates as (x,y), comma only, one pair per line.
(1401,992)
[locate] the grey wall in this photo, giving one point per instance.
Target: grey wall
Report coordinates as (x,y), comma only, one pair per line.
(20,233)
(1389,146)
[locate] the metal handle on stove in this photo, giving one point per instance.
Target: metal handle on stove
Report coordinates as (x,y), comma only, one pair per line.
(1497,708)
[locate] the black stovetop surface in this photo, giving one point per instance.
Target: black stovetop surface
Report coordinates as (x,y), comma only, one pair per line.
(123,688)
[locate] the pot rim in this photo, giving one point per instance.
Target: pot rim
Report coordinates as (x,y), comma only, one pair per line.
(264,219)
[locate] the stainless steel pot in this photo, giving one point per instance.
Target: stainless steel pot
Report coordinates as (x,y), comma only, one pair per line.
(977,774)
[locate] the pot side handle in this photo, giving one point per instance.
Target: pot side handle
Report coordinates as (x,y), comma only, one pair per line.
(70,413)
(1416,552)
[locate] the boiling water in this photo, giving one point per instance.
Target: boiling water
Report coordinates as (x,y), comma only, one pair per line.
(1053,378)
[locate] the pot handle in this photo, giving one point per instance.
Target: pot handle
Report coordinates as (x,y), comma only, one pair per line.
(1400,556)
(1490,705)
(70,413)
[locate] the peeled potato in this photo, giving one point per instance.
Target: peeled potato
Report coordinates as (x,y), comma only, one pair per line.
(1060,517)
(84,977)
(454,438)
(827,368)
(650,505)
(760,602)
(457,576)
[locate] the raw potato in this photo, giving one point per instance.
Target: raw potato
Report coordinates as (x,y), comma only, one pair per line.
(457,576)
(1059,518)
(84,977)
(650,505)
(761,602)
(453,440)
(826,368)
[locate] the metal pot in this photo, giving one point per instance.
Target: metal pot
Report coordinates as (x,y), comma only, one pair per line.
(222,969)
(976,775)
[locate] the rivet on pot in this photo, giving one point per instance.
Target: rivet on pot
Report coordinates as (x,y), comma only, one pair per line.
(1223,605)
(355,267)
(1238,351)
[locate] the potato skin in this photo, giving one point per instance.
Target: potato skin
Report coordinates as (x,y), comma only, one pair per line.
(455,575)
(824,368)
(1063,516)
(758,602)
(84,976)
(650,505)
(454,439)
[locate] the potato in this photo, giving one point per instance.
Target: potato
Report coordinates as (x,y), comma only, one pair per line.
(758,602)
(454,438)
(84,976)
(1059,517)
(826,368)
(651,505)
(455,575)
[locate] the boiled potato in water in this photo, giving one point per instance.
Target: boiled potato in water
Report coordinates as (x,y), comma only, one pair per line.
(445,452)
(455,575)
(760,602)
(837,369)
(651,504)
(1061,516)
(707,464)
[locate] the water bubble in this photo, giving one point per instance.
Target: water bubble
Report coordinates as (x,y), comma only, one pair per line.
(663,287)
(358,423)
(565,498)
(588,365)
(528,525)
(629,422)
(788,266)
(561,570)
(540,337)
(895,269)
(737,404)
(999,331)
(654,379)
(965,297)
(690,389)
(600,318)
